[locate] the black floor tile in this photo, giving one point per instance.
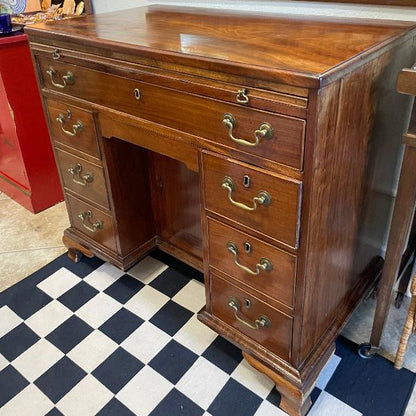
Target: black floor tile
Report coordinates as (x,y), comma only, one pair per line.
(117,370)
(26,300)
(121,325)
(235,399)
(173,361)
(115,408)
(177,265)
(78,296)
(12,383)
(17,341)
(54,412)
(60,378)
(170,282)
(223,354)
(69,334)
(274,397)
(124,288)
(171,317)
(177,404)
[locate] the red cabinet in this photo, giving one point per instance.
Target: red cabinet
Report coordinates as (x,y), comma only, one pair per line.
(28,172)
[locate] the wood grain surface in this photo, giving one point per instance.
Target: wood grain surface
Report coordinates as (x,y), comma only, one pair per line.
(303,51)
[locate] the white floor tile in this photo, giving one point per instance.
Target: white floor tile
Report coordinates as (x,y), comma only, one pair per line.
(253,379)
(192,296)
(98,309)
(37,359)
(146,303)
(92,351)
(147,269)
(59,282)
(328,405)
(267,409)
(48,318)
(8,320)
(87,398)
(195,335)
(3,362)
(104,276)
(146,342)
(144,391)
(202,382)
(29,402)
(328,372)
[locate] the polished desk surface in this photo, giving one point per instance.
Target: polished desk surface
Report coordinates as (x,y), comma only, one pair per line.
(302,51)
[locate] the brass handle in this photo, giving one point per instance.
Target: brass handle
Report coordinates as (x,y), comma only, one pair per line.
(56,54)
(263,265)
(263,197)
(242,96)
(265,131)
(86,218)
(67,79)
(261,322)
(76,128)
(76,171)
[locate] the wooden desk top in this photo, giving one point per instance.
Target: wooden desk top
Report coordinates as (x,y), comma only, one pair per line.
(301,51)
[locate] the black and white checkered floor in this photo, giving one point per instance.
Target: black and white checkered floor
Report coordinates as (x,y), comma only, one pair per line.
(87,339)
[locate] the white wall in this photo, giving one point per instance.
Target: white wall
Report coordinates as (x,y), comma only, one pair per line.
(297,7)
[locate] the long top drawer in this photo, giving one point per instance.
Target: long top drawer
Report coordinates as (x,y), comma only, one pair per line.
(279,138)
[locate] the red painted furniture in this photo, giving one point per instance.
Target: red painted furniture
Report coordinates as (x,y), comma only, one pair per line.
(28,171)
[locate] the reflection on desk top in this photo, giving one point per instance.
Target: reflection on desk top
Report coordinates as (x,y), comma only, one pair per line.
(270,46)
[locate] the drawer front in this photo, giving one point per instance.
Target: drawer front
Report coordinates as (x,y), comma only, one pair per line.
(251,316)
(83,177)
(73,127)
(236,190)
(259,265)
(280,138)
(92,222)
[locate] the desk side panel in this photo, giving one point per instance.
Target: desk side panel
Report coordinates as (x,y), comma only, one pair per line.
(338,169)
(128,178)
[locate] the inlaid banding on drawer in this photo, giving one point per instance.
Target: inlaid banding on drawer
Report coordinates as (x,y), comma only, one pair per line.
(83,177)
(276,282)
(283,142)
(91,221)
(258,199)
(251,316)
(73,127)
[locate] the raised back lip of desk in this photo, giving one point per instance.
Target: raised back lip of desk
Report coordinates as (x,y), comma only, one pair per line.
(302,51)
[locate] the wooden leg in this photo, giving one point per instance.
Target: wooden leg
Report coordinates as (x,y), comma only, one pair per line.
(75,250)
(407,330)
(294,400)
(401,222)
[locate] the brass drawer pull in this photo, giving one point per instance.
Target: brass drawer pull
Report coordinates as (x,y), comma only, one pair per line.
(76,128)
(261,322)
(67,79)
(263,265)
(263,197)
(86,218)
(265,131)
(242,96)
(77,177)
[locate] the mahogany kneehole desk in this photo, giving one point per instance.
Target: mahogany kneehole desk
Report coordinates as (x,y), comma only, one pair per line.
(237,143)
